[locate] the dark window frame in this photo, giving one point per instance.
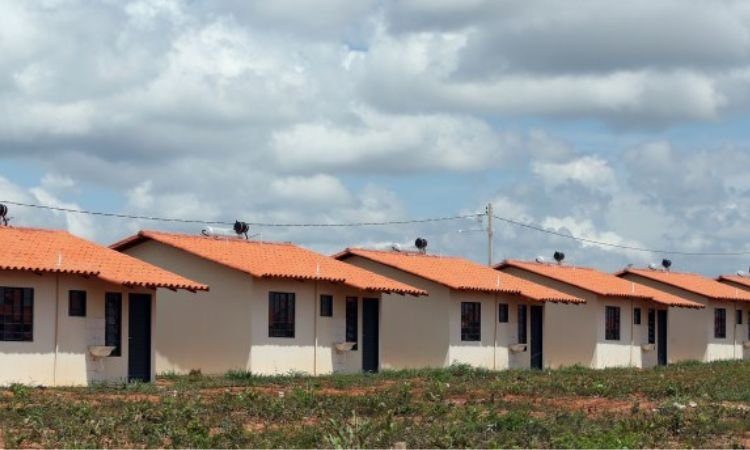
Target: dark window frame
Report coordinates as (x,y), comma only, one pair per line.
(720,323)
(281,315)
(523,330)
(738,313)
(503,313)
(16,314)
(113,322)
(326,305)
(612,323)
(636,316)
(77,300)
(352,321)
(652,326)
(471,321)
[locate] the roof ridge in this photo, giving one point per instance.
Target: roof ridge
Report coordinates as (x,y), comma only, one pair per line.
(649,270)
(217,238)
(550,264)
(36,229)
(407,253)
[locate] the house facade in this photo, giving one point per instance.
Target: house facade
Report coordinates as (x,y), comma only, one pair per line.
(273,308)
(619,325)
(715,332)
(73,312)
(472,314)
(740,283)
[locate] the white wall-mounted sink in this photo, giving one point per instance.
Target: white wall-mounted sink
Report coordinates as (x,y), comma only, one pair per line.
(344,346)
(101,351)
(648,347)
(518,348)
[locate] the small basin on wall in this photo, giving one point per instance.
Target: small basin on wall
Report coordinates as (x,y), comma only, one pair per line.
(518,348)
(648,347)
(101,351)
(342,347)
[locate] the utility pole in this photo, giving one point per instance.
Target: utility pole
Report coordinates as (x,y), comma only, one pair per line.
(490,232)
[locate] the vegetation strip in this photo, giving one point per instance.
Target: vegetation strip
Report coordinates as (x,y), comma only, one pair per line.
(685,405)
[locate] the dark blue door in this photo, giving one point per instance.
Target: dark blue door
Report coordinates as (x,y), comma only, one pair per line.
(537,337)
(139,337)
(370,334)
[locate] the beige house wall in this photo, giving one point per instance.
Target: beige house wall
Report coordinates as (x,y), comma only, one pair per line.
(58,354)
(227,328)
(743,331)
(494,349)
(575,334)
(414,328)
(426,331)
(690,334)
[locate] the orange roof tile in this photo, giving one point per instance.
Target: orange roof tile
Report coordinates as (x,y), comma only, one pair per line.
(460,274)
(57,251)
(744,281)
(273,260)
(695,283)
(600,283)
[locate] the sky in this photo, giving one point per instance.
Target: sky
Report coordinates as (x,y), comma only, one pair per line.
(626,122)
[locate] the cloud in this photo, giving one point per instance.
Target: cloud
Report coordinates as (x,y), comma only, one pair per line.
(569,116)
(392,143)
(590,172)
(644,65)
(46,194)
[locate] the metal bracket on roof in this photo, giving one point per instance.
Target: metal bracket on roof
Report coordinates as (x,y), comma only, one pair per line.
(4,214)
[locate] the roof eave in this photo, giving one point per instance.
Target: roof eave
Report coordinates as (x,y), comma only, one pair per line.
(129,242)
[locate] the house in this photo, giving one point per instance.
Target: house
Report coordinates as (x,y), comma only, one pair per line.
(472,314)
(273,308)
(621,324)
(712,334)
(73,312)
(740,282)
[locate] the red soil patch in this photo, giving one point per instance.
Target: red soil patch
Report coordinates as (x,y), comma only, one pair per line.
(151,398)
(592,406)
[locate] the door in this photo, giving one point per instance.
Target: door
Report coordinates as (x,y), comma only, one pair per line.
(661,336)
(139,337)
(537,337)
(370,334)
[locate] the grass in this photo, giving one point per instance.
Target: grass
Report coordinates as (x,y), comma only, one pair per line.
(685,405)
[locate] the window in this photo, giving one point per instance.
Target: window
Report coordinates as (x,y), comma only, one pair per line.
(326,306)
(77,303)
(720,323)
(113,322)
(637,316)
(612,329)
(502,314)
(522,334)
(651,326)
(16,314)
(471,321)
(739,317)
(280,314)
(352,320)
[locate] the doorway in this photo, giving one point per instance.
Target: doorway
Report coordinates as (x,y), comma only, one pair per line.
(661,337)
(139,337)
(537,337)
(370,334)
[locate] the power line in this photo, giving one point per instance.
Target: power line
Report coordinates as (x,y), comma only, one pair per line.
(374,224)
(255,224)
(613,245)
